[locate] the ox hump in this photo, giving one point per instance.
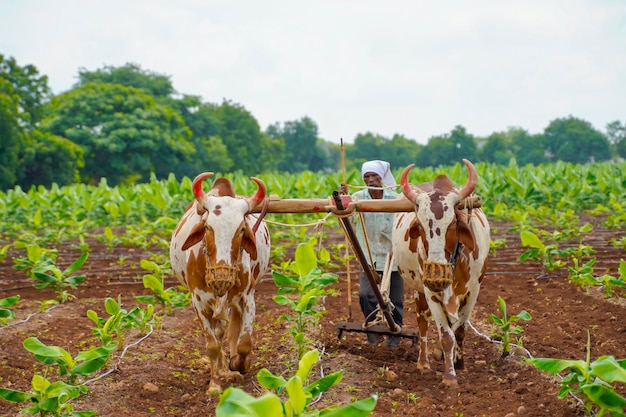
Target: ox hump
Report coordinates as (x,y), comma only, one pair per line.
(222,188)
(443,184)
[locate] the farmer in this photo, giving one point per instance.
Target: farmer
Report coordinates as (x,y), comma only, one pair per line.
(377,236)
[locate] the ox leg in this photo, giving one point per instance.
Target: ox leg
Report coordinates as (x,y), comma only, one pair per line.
(459,335)
(448,345)
(422,324)
(465,310)
(240,333)
(216,362)
(213,326)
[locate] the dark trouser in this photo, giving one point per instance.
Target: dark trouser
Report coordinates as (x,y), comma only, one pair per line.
(368,301)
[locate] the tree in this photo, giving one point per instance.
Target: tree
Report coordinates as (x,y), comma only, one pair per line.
(130,75)
(367,146)
(210,151)
(448,149)
(124,133)
(31,89)
(242,136)
(27,156)
(11,135)
(616,133)
(400,151)
(49,159)
(497,149)
(575,140)
(302,150)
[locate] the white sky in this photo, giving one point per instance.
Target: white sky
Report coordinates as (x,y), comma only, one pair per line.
(413,67)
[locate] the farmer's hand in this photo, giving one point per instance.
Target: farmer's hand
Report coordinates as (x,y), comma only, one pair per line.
(343,189)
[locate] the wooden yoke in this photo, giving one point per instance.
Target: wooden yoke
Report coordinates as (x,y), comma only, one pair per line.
(322,205)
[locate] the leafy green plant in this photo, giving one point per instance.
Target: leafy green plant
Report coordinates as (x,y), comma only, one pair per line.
(59,280)
(3,252)
(299,395)
(167,298)
(305,289)
(591,380)
(112,327)
(505,326)
(548,255)
(5,313)
(85,363)
(583,277)
(48,398)
(36,257)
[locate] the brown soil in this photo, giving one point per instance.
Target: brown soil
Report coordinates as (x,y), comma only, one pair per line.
(164,374)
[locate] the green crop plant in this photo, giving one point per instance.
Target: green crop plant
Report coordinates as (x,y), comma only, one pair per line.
(48,398)
(298,394)
(301,292)
(505,326)
(7,314)
(168,298)
(591,380)
(547,255)
(60,280)
(36,257)
(113,327)
(85,363)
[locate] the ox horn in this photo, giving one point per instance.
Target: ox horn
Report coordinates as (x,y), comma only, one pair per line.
(472,179)
(197,184)
(259,195)
(408,192)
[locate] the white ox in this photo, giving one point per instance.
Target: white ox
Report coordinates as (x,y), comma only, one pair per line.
(216,254)
(446,280)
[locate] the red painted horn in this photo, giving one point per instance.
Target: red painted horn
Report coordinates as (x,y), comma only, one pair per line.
(197,184)
(404,182)
(256,199)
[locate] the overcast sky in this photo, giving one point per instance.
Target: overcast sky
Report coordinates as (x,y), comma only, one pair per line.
(415,67)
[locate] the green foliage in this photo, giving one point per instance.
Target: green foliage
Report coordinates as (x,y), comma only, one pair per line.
(301,292)
(5,313)
(124,132)
(299,395)
(59,280)
(48,398)
(591,380)
(548,255)
(85,363)
(167,298)
(505,327)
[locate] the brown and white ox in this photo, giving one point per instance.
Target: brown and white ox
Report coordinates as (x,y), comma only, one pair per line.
(441,252)
(216,254)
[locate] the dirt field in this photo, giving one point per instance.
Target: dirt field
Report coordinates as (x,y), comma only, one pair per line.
(165,375)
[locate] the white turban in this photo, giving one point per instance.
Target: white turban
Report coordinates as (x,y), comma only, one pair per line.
(382,168)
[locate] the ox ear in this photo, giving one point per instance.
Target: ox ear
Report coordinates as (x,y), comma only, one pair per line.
(464,233)
(248,242)
(195,236)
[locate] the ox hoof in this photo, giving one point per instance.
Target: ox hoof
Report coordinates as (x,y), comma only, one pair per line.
(214,388)
(423,367)
(449,383)
(231,376)
(240,364)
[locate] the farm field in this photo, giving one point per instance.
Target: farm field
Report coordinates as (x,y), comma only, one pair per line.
(164,374)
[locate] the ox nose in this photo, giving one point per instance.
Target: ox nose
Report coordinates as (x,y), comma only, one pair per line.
(437,276)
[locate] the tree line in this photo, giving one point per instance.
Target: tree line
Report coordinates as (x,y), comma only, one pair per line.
(126,124)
